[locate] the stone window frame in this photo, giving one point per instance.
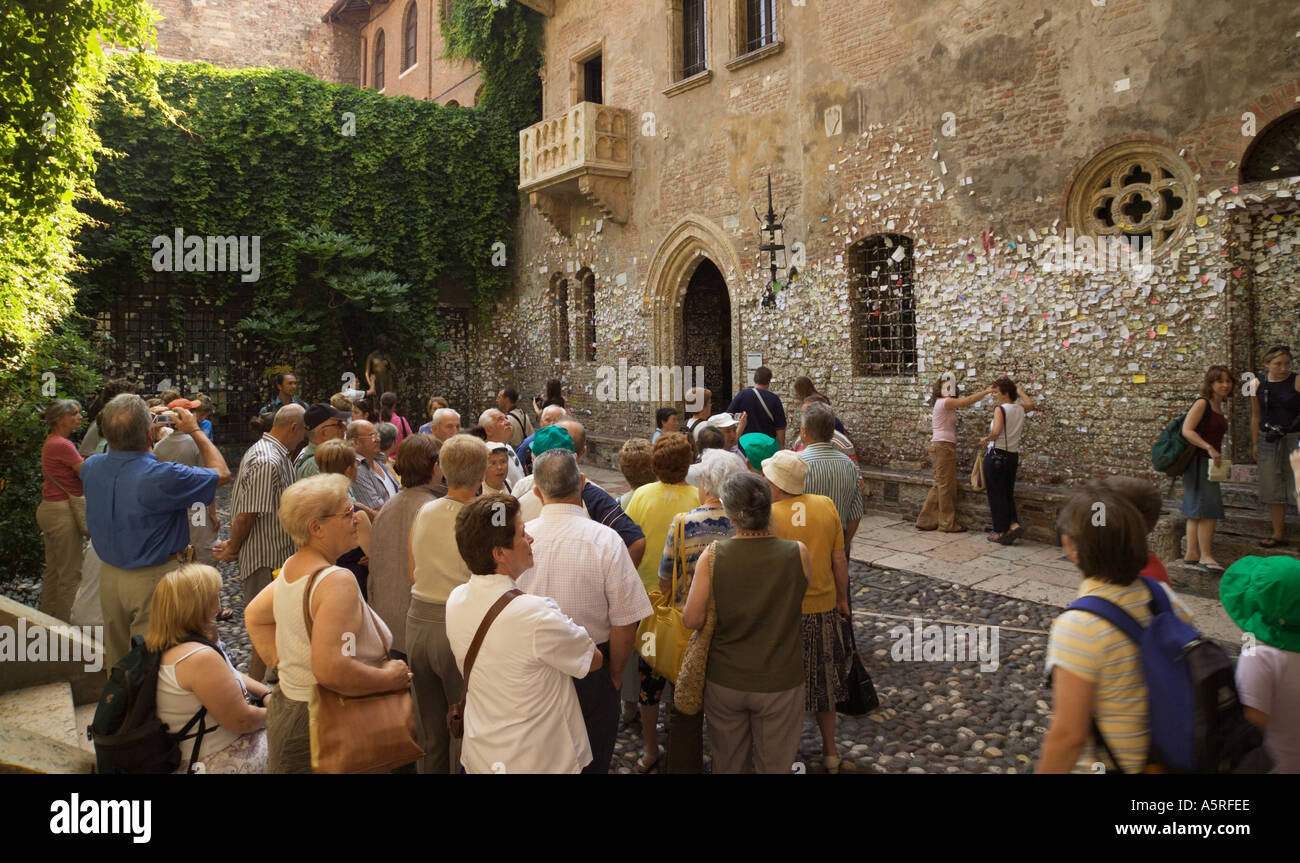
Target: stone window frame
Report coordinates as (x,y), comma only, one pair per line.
(862,308)
(586,282)
(377,62)
(679,82)
(741,53)
(410,37)
(1109,176)
(576,72)
(561,338)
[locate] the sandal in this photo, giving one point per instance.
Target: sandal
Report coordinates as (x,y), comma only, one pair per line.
(832,763)
(1271,542)
(225,614)
(1014,534)
(1210,567)
(995,537)
(645,766)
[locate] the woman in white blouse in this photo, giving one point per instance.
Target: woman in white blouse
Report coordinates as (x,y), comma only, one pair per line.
(1003,458)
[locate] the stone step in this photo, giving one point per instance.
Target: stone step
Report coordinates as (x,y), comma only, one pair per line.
(23,751)
(46,710)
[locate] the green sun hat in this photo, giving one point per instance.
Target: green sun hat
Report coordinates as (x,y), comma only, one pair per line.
(551,437)
(1262,596)
(758,447)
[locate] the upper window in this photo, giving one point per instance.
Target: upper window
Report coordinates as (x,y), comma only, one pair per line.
(587,297)
(1275,153)
(759,24)
(408,37)
(1134,189)
(693,38)
(882,306)
(379,61)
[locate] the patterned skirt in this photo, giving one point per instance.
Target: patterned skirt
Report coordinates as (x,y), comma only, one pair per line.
(825,660)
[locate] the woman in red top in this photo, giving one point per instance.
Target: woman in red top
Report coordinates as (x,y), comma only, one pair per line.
(61,514)
(1202,500)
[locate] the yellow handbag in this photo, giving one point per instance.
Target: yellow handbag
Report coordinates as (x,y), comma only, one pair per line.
(662,636)
(977,472)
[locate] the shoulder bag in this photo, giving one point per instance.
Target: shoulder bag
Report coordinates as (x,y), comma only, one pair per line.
(456,713)
(977,472)
(662,636)
(861,698)
(688,692)
(359,733)
(997,458)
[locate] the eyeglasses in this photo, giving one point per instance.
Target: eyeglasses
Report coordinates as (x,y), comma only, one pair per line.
(339,514)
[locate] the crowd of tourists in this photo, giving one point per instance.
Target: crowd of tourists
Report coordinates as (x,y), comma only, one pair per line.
(375,560)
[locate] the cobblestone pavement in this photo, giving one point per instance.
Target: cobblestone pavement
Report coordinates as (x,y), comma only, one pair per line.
(934,716)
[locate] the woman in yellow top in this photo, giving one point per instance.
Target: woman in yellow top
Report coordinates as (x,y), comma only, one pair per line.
(653,508)
(813,520)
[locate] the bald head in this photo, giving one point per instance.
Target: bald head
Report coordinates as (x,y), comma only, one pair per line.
(289,427)
(577,432)
(551,414)
(363,437)
(289,414)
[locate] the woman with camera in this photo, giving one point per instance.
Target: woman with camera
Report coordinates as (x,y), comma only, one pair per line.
(195,674)
(1204,428)
(1274,435)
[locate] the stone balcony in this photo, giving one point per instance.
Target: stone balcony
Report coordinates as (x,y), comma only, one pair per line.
(582,154)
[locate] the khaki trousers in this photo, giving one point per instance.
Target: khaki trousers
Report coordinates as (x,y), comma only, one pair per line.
(940,509)
(60,522)
(768,723)
(437,685)
(126,595)
(288,734)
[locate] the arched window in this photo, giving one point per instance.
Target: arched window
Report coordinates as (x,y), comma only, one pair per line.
(587,300)
(882,306)
(561,348)
(379,61)
(1275,152)
(408,37)
(452,103)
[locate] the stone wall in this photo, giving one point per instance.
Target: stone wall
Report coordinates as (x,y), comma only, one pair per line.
(286,34)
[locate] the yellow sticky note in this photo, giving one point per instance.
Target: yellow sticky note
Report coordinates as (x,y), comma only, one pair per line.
(1162,329)
(1139,379)
(1202,221)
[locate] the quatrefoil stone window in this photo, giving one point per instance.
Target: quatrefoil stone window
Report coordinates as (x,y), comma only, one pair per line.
(1136,189)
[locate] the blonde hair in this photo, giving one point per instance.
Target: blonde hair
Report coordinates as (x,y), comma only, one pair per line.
(335,456)
(464,458)
(309,499)
(182,605)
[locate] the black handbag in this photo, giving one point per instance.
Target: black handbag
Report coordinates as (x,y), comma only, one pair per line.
(861,698)
(997,458)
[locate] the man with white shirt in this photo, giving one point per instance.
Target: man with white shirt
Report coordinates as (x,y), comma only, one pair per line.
(584,566)
(497,426)
(521,712)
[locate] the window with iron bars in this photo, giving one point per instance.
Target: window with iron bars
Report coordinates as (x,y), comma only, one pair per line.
(561,341)
(883,306)
(760,24)
(693,38)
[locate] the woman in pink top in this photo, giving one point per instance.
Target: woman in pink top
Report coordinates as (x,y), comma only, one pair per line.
(61,514)
(388,414)
(940,510)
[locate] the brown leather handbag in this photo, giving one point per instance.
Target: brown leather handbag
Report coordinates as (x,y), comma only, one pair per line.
(456,713)
(359,733)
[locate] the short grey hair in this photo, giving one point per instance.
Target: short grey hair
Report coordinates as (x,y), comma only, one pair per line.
(747,501)
(125,422)
(387,435)
(486,418)
(819,420)
(716,465)
(442,413)
(557,474)
(58,409)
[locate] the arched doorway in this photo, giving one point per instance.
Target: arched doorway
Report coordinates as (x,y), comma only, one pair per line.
(706,330)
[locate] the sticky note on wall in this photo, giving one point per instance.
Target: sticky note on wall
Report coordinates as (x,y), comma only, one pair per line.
(1139,379)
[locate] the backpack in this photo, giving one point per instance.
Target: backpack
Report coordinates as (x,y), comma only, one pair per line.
(1171,453)
(127,733)
(1197,724)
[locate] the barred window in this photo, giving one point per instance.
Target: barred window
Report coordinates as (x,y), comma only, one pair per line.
(560,343)
(693,38)
(760,24)
(587,298)
(883,306)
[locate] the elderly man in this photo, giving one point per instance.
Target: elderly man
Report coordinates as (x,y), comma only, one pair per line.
(323,422)
(520,425)
(257,540)
(138,512)
(830,472)
(731,429)
(599,504)
(497,425)
(375,482)
(444,424)
(551,414)
(583,566)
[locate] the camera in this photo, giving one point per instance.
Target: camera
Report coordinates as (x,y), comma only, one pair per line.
(1273,433)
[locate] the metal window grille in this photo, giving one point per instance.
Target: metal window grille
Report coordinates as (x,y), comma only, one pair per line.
(883,306)
(692,37)
(562,320)
(760,23)
(408,39)
(589,311)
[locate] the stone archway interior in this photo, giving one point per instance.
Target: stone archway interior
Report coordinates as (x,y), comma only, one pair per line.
(706,331)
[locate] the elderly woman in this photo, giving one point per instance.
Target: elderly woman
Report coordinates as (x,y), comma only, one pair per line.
(940,508)
(318,515)
(1204,427)
(688,536)
(338,457)
(635,463)
(653,507)
(1003,458)
(1275,433)
(194,673)
(498,469)
(753,692)
(61,514)
(389,585)
(1096,676)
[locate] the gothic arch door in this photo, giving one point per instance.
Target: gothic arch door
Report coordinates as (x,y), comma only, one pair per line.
(706,331)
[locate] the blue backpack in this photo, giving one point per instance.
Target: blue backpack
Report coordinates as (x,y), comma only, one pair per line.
(1197,724)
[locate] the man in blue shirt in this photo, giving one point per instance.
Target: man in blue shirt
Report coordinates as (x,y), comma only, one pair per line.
(761,406)
(286,393)
(551,414)
(138,510)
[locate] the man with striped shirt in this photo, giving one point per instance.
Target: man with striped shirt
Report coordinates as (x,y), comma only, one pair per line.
(257,540)
(830,472)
